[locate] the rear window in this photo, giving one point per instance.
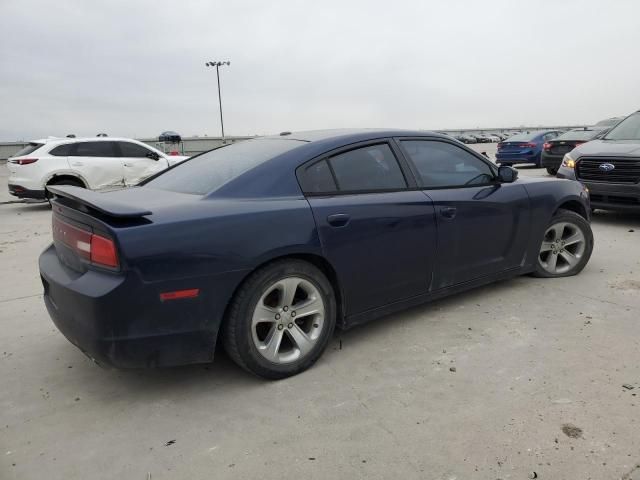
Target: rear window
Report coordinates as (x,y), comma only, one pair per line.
(32,147)
(210,171)
(578,135)
(524,137)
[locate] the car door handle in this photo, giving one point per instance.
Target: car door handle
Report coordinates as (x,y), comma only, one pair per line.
(338,219)
(127,165)
(448,212)
(77,164)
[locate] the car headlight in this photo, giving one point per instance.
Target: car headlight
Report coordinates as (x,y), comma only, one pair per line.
(568,161)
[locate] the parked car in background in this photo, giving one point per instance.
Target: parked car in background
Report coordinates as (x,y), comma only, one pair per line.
(553,151)
(467,138)
(266,245)
(96,163)
(609,166)
(524,148)
(494,138)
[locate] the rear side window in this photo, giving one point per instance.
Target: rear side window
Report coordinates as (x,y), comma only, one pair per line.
(95,149)
(129,149)
(62,150)
(317,178)
(368,168)
(32,147)
(441,164)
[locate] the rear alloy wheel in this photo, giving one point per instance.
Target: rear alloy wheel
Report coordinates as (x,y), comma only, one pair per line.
(566,246)
(281,319)
(552,171)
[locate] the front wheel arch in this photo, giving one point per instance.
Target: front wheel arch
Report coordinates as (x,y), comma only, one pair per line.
(574,206)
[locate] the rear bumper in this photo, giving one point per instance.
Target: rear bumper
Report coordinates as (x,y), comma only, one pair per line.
(512,158)
(119,321)
(22,192)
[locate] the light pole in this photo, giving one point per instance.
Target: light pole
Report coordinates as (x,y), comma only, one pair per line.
(218,65)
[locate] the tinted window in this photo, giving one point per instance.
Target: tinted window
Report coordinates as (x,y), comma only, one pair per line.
(62,150)
(129,149)
(578,135)
(628,129)
(367,168)
(549,136)
(441,164)
(32,147)
(210,171)
(95,149)
(317,178)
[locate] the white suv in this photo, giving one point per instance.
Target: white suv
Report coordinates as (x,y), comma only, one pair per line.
(96,163)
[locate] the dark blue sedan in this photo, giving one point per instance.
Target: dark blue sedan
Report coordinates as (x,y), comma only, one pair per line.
(268,244)
(524,148)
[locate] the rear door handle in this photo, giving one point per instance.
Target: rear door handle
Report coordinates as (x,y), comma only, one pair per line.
(448,212)
(338,219)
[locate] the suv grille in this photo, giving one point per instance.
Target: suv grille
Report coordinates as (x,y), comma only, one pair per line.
(627,170)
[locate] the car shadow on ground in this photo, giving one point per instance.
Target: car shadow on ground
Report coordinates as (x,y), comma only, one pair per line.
(619,219)
(224,377)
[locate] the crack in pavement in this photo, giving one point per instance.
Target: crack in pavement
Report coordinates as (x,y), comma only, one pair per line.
(20,298)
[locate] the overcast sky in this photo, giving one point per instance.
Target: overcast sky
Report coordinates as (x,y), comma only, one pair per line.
(136,68)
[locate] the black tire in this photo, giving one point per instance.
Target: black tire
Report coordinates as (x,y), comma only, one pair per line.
(65,181)
(552,171)
(579,222)
(237,330)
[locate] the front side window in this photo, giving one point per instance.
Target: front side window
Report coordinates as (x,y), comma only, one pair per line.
(441,164)
(628,129)
(369,168)
(133,150)
(95,149)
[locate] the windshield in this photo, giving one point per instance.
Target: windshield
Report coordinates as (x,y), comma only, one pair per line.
(628,129)
(210,171)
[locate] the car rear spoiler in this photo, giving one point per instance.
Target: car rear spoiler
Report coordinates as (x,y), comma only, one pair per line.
(98,201)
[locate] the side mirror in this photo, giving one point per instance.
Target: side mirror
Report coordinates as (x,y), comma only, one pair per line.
(507,174)
(153,156)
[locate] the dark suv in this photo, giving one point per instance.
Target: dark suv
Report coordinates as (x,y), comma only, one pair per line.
(609,167)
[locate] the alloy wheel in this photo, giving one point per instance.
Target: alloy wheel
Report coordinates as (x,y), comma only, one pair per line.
(562,248)
(288,320)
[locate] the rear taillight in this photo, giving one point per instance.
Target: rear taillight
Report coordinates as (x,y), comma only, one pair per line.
(500,145)
(103,251)
(547,146)
(528,145)
(91,247)
(23,161)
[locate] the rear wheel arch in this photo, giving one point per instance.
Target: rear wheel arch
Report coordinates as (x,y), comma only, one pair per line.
(317,261)
(58,178)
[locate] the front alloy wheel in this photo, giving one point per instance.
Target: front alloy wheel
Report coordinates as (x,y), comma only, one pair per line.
(566,246)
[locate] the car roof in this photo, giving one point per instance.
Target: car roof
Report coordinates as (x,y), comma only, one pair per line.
(344,134)
(64,140)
